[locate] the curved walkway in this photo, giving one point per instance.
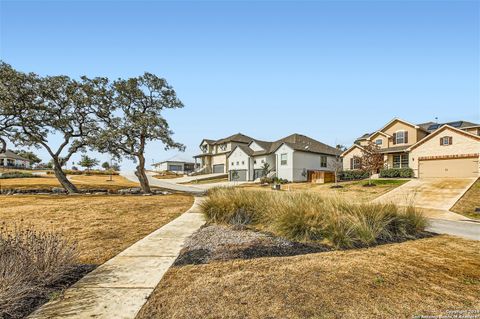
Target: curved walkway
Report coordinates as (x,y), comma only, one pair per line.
(120,287)
(164,184)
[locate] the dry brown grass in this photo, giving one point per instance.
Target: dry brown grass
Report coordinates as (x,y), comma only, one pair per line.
(471,200)
(208,181)
(390,281)
(32,264)
(351,190)
(81,181)
(102,225)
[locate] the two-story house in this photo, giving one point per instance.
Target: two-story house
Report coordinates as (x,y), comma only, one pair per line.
(430,149)
(290,158)
(213,156)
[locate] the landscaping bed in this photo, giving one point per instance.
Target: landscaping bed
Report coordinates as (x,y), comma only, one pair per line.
(219,242)
(310,217)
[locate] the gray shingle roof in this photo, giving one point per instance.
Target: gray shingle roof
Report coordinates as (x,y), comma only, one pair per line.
(304,143)
(11,155)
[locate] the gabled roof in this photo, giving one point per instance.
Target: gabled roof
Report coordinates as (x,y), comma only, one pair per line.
(350,149)
(438,131)
(378,132)
(263,144)
(304,143)
(247,150)
(400,120)
(11,155)
(176,158)
(363,137)
(239,138)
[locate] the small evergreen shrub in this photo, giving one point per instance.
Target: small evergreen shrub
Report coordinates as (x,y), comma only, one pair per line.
(405,172)
(352,175)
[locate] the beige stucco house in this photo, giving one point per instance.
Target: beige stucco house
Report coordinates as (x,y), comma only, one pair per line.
(430,149)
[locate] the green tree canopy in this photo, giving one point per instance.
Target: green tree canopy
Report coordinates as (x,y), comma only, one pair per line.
(135,119)
(88,162)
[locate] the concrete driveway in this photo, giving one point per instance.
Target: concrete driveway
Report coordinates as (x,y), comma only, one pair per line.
(431,194)
(163,183)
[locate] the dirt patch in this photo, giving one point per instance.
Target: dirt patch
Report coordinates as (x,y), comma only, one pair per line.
(216,242)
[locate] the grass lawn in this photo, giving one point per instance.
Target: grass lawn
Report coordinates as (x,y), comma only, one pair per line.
(208,181)
(351,190)
(103,226)
(81,181)
(471,200)
(390,281)
(168,175)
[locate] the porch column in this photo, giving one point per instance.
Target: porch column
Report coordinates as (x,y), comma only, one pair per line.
(385,160)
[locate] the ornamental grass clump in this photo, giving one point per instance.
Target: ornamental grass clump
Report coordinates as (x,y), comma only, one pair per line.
(305,216)
(31,264)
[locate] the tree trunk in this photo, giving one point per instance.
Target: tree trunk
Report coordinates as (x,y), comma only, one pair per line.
(142,177)
(3,145)
(62,178)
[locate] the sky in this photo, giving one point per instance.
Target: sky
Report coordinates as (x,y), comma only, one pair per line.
(332,70)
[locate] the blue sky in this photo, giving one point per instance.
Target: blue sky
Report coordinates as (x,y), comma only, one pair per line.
(331,70)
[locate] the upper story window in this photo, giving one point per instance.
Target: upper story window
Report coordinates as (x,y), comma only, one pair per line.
(237,163)
(243,162)
(204,148)
(223,147)
(400,137)
(232,163)
(263,161)
(446,140)
(323,161)
(378,141)
(254,161)
(283,159)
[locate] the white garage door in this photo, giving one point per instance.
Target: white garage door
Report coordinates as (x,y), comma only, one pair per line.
(458,167)
(220,168)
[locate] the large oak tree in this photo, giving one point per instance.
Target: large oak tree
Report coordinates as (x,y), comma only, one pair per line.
(135,118)
(58,106)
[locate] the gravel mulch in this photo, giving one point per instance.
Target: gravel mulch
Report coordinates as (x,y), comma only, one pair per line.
(217,242)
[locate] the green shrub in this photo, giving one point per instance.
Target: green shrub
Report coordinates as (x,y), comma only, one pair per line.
(304,216)
(405,172)
(92,172)
(16,174)
(273,180)
(352,175)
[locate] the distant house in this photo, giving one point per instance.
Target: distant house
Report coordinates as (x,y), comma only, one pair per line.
(243,157)
(9,159)
(175,164)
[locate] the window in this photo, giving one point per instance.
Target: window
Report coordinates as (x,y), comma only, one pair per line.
(323,161)
(232,163)
(283,159)
(378,141)
(446,140)
(237,163)
(400,161)
(356,162)
(254,161)
(263,161)
(243,162)
(400,137)
(175,168)
(223,147)
(204,148)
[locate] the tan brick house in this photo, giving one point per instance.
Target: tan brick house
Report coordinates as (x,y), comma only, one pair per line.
(430,149)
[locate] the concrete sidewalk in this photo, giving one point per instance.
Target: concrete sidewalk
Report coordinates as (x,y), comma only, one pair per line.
(120,287)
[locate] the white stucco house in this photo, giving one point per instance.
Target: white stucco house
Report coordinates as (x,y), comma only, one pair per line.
(289,158)
(9,159)
(175,164)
